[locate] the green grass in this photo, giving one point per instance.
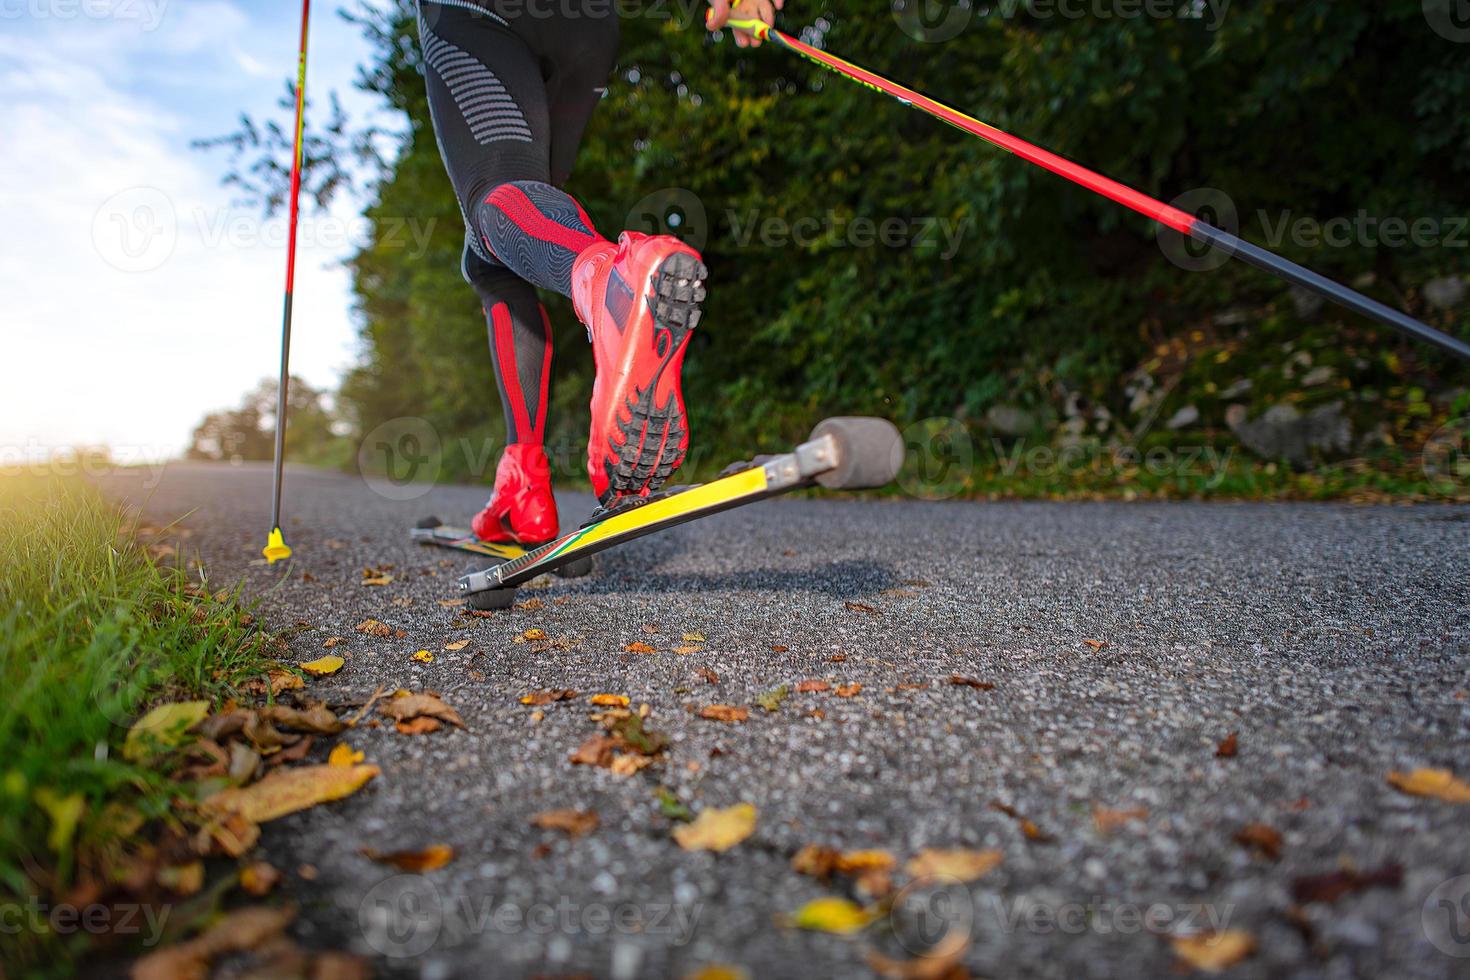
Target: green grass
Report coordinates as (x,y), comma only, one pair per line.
(92,630)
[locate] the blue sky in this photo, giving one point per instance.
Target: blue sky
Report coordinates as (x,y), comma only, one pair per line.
(137,296)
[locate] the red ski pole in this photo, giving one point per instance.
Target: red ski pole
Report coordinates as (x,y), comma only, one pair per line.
(275,548)
(1164,214)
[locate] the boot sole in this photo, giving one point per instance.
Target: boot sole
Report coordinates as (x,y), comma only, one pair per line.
(654,437)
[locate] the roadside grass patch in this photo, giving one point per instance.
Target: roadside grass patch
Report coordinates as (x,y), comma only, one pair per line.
(93,630)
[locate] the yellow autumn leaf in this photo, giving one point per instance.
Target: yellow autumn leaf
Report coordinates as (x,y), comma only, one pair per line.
(1440,784)
(609,700)
(65,813)
(534,633)
(831,914)
(692,637)
(424,657)
(344,755)
(287,790)
(456,645)
(377,580)
(324,666)
(684,651)
(162,728)
(851,862)
(957,863)
(718,971)
(1213,952)
(717,829)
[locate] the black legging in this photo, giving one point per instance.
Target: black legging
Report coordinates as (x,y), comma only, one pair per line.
(511,86)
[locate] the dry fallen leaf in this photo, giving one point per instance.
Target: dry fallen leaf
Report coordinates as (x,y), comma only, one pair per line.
(423,656)
(1227,747)
(546,697)
(259,878)
(1261,838)
(1108,821)
(687,649)
(289,789)
(718,971)
(942,962)
(324,666)
(163,728)
(417,726)
(1028,827)
(1213,952)
(709,675)
(344,755)
(456,645)
(861,607)
(609,700)
(808,687)
(637,646)
(958,863)
(451,603)
(332,641)
(724,712)
(240,930)
(831,914)
(1329,887)
(574,822)
(373,627)
(182,879)
(1097,644)
(963,681)
(404,706)
(847,690)
(1439,784)
(717,829)
(431,858)
(692,637)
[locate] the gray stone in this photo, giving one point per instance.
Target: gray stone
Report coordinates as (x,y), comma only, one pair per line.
(1306,303)
(1185,417)
(1284,432)
(1445,293)
(1318,376)
(1008,420)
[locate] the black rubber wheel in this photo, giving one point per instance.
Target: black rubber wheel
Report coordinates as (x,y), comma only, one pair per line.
(491,599)
(428,523)
(580,568)
(869,452)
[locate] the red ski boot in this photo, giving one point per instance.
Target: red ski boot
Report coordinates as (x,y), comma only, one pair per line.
(640,302)
(521,510)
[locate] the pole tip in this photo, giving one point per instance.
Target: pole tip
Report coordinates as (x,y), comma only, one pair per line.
(275,547)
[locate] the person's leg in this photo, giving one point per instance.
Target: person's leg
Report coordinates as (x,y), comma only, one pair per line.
(521,508)
(488,103)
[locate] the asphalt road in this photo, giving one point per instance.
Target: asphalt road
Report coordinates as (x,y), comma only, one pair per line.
(1335,640)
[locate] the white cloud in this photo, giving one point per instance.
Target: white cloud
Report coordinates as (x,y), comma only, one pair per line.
(128,313)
